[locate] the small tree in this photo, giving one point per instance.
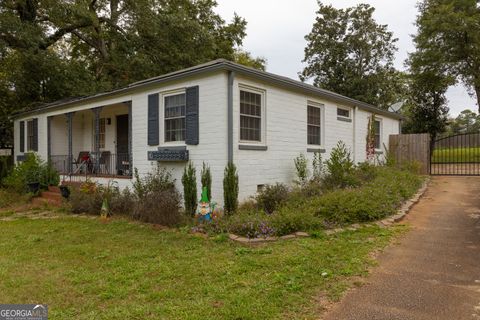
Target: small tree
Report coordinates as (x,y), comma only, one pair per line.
(189,181)
(340,167)
(301,166)
(317,165)
(206,178)
(230,188)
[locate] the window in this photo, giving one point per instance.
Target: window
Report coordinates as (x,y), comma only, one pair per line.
(175,117)
(314,125)
(250,116)
(30,135)
(377,128)
(101,132)
(344,113)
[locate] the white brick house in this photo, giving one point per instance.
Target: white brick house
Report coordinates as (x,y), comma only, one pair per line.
(214,113)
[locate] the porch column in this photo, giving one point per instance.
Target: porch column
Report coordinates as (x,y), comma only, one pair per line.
(49,138)
(130,155)
(70,141)
(96,120)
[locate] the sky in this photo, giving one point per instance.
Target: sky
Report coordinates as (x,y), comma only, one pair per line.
(276,31)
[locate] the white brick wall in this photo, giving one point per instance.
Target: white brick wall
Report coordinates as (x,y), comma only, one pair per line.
(285,136)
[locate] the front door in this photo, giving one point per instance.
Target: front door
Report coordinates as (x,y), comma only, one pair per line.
(123,159)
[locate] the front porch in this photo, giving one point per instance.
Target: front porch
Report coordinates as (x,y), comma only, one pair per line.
(92,143)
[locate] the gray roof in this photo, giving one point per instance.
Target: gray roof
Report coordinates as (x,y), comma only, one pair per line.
(225,65)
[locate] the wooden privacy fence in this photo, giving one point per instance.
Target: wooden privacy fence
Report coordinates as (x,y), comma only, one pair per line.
(411,147)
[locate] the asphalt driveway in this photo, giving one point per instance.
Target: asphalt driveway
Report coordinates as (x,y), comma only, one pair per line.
(434,270)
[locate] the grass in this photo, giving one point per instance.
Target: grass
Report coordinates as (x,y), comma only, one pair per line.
(456,155)
(84,269)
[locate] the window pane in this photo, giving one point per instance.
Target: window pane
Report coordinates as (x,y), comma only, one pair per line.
(175,118)
(250,116)
(376,127)
(343,113)
(314,125)
(314,135)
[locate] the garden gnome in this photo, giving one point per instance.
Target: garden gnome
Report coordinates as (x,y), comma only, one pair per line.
(204,210)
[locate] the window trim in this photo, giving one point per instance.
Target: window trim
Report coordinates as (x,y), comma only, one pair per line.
(161,120)
(263,115)
(340,117)
(380,120)
(28,143)
(321,106)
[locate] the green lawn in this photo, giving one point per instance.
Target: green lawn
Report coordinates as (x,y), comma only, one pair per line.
(456,155)
(85,269)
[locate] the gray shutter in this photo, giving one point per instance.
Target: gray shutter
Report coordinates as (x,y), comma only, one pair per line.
(35,135)
(22,136)
(153,121)
(191,121)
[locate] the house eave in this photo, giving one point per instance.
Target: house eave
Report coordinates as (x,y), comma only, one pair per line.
(216,65)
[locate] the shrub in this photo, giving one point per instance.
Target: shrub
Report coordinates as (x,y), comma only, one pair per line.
(6,165)
(160,207)
(365,172)
(301,167)
(374,200)
(86,199)
(340,168)
(156,198)
(189,181)
(29,171)
(206,178)
(122,202)
(230,189)
(271,197)
(317,165)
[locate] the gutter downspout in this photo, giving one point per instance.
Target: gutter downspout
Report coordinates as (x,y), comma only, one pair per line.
(231,77)
(354,148)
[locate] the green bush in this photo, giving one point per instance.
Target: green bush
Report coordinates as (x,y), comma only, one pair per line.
(189,182)
(230,189)
(382,191)
(206,178)
(301,167)
(372,201)
(271,197)
(6,165)
(340,168)
(29,171)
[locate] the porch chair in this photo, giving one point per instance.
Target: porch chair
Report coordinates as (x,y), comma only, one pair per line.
(83,158)
(104,162)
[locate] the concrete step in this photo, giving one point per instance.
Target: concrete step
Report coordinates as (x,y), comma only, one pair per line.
(38,201)
(54,189)
(51,195)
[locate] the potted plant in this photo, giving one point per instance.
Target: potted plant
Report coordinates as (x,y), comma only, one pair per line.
(33,181)
(65,191)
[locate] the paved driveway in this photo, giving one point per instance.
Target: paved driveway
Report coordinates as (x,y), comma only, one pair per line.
(433,273)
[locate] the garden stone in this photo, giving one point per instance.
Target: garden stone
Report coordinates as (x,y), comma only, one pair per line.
(301,234)
(233,236)
(288,236)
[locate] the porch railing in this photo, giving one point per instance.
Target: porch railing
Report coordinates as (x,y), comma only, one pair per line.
(89,164)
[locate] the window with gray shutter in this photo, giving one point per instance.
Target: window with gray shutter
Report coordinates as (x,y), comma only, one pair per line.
(191,121)
(175,111)
(35,134)
(153,121)
(22,136)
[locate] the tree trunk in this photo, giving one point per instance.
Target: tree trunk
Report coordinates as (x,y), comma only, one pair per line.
(477,93)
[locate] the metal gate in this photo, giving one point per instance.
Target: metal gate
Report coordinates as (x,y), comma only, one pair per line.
(456,155)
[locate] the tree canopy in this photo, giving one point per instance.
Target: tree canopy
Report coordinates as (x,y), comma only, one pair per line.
(56,49)
(466,122)
(449,29)
(348,52)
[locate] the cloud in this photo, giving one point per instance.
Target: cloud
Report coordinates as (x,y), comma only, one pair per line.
(276,31)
